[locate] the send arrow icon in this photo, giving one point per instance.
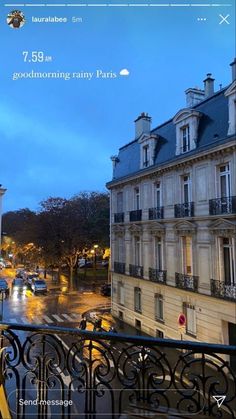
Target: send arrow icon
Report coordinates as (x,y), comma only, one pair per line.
(219,400)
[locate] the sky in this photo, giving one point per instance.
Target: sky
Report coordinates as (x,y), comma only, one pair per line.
(56,135)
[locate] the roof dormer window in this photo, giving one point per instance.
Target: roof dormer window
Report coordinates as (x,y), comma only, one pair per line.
(186,121)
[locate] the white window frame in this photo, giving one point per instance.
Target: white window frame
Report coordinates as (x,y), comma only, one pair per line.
(158,251)
(185,134)
(159,307)
(191,320)
(227,175)
(121,293)
(146,155)
(119,201)
(137,251)
(231,248)
(138,299)
(184,255)
(158,189)
(137,198)
(186,182)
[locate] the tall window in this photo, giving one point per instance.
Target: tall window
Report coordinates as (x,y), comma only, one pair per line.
(137,251)
(137,299)
(136,199)
(158,194)
(146,156)
(224,182)
(185,139)
(186,189)
(191,323)
(187,255)
(158,253)
(121,293)
(120,250)
(227,261)
(120,202)
(159,312)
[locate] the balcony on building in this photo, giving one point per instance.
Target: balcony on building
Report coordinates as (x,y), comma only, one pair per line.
(157,275)
(225,205)
(135,215)
(86,368)
(156,213)
(119,267)
(119,217)
(186,282)
(184,210)
(136,271)
(220,289)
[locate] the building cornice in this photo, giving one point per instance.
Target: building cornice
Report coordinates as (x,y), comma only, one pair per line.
(219,150)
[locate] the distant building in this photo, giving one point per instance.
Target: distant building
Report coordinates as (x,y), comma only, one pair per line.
(2,191)
(173,223)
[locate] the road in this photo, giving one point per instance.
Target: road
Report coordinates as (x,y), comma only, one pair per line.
(58,308)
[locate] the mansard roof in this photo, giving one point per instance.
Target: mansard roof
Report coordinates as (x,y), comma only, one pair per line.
(212,131)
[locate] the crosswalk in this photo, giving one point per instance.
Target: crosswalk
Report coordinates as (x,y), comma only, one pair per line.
(52,319)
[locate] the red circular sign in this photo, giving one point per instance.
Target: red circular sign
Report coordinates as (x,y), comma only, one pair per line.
(182,319)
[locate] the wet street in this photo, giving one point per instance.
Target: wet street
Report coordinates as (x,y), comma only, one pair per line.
(58,307)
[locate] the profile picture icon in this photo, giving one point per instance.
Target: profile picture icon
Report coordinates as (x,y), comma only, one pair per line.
(15,19)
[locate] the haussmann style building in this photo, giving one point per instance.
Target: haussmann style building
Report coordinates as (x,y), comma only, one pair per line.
(173,221)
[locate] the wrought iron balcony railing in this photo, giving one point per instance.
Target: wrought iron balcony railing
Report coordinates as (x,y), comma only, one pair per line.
(135,215)
(156,213)
(184,210)
(49,372)
(156,275)
(221,290)
(119,217)
(119,267)
(136,271)
(187,282)
(226,205)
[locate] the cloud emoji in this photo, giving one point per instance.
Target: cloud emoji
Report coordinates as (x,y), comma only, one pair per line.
(124,72)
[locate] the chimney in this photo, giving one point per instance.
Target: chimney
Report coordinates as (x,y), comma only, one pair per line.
(233,65)
(194,96)
(142,125)
(209,85)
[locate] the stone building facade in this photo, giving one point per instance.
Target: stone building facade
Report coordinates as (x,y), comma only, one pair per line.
(173,221)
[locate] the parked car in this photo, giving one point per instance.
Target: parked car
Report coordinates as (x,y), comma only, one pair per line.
(85,264)
(4,288)
(30,276)
(8,264)
(18,284)
(105,263)
(2,265)
(106,290)
(39,285)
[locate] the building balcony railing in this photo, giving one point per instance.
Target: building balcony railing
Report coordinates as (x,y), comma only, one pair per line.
(90,378)
(156,275)
(186,282)
(119,267)
(136,271)
(156,213)
(135,215)
(119,217)
(226,205)
(184,210)
(221,290)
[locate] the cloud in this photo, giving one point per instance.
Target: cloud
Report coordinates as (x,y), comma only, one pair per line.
(124,72)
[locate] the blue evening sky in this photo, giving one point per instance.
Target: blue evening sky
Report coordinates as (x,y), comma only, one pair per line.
(57,136)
